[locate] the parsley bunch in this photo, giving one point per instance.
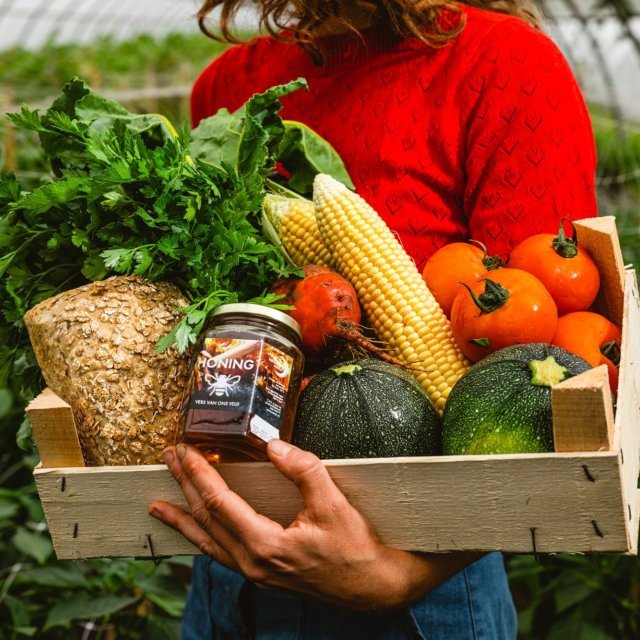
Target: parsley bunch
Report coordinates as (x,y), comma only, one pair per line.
(129,194)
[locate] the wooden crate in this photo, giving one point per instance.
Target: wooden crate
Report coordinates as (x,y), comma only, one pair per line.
(583,499)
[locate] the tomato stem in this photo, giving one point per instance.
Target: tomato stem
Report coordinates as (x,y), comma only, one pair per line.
(490,262)
(493,298)
(611,350)
(564,246)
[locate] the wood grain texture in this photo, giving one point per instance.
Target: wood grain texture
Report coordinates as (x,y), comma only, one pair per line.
(583,412)
(572,502)
(627,424)
(54,431)
(600,238)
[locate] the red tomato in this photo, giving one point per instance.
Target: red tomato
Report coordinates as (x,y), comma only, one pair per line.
(589,335)
(454,263)
(566,269)
(509,307)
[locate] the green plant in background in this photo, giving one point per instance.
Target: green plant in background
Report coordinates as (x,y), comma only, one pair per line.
(45,598)
(138,67)
(41,597)
(618,178)
(174,59)
(576,597)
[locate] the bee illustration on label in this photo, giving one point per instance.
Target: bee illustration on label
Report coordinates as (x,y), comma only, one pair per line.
(220,384)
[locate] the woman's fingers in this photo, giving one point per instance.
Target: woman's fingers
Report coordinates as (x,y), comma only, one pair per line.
(182,522)
(321,496)
(199,512)
(210,495)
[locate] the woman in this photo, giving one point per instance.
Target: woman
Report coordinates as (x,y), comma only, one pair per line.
(454,121)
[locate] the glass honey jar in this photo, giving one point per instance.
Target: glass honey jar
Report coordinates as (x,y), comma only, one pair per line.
(244,383)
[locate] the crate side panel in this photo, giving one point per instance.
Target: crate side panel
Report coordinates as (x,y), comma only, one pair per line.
(55,431)
(599,237)
(96,514)
(583,412)
(428,504)
(494,505)
(627,430)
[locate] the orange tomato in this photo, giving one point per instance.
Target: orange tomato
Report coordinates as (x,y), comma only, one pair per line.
(589,335)
(454,263)
(566,269)
(509,307)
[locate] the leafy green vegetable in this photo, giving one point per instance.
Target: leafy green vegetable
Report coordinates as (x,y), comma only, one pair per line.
(255,136)
(128,194)
(305,154)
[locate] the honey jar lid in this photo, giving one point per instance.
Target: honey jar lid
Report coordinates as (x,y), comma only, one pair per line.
(260,311)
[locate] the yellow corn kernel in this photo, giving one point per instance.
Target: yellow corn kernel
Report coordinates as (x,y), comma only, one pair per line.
(290,223)
(413,323)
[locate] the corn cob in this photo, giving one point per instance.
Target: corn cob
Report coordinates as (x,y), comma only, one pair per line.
(293,223)
(400,307)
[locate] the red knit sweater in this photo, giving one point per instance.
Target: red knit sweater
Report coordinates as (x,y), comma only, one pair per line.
(487,137)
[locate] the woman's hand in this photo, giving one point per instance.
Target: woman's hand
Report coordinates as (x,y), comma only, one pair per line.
(330,551)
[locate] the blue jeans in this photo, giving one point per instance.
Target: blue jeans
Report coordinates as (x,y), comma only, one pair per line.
(473,605)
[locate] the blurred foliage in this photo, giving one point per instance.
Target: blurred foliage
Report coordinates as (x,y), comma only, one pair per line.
(576,597)
(41,597)
(144,61)
(137,67)
(618,177)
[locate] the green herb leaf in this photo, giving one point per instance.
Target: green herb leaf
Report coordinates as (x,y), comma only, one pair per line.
(131,195)
(51,195)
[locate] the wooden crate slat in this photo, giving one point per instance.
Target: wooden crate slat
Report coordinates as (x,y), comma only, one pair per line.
(583,412)
(55,431)
(102,512)
(627,425)
(571,501)
(599,237)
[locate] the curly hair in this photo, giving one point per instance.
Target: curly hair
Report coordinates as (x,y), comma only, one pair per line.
(303,20)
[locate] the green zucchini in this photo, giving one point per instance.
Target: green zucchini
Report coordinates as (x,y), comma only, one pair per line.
(503,403)
(366,409)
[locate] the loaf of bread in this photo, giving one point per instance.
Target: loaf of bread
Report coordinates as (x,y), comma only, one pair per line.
(96,346)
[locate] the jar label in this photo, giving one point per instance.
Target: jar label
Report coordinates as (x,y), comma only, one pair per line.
(242,377)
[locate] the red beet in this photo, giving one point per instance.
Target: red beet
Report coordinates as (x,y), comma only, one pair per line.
(326,307)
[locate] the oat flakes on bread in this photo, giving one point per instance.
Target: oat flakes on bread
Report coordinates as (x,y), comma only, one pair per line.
(96,348)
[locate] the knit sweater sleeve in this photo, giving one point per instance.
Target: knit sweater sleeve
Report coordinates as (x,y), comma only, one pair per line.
(530,152)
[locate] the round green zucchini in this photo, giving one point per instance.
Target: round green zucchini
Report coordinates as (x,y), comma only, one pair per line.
(366,409)
(503,403)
